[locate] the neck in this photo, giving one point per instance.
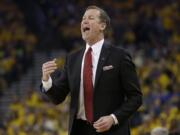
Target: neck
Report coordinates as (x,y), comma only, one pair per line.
(92,42)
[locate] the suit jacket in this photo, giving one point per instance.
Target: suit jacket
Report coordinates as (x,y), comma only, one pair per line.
(116,89)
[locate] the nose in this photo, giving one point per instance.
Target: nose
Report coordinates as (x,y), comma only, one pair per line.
(85,21)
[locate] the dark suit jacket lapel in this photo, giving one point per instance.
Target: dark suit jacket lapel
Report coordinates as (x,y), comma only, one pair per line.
(103,57)
(76,87)
(78,67)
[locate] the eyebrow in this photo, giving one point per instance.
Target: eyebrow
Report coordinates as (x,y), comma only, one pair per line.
(88,16)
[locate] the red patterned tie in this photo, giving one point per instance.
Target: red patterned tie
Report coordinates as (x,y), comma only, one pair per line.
(88,85)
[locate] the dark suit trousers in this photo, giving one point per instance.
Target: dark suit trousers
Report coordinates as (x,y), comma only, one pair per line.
(81,127)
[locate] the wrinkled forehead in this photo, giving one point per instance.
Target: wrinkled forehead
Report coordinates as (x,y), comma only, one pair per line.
(92,12)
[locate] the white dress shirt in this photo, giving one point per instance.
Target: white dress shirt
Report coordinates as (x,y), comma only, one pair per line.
(96,50)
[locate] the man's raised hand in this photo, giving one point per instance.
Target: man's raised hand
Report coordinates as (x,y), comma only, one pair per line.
(48,68)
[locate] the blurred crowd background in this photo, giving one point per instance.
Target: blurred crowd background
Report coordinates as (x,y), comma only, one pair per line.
(149,30)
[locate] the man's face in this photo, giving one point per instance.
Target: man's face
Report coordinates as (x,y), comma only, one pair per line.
(91,26)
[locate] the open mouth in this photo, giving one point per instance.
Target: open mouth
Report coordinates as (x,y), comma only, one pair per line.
(86,29)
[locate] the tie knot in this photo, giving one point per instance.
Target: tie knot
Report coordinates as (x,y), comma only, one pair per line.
(89,49)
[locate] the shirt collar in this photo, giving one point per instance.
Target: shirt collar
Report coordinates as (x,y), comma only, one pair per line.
(96,48)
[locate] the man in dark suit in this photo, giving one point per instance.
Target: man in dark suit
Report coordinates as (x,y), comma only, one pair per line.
(101,80)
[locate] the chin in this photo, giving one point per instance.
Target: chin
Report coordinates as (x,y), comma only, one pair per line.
(84,38)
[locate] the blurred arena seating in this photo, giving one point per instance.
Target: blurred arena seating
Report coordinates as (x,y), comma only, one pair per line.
(16,44)
(149,30)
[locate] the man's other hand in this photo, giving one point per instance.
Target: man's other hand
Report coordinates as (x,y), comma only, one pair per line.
(103,123)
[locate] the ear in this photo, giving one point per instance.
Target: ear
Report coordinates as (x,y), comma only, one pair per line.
(103,26)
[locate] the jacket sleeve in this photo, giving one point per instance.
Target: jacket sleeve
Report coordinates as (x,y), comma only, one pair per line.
(60,86)
(131,87)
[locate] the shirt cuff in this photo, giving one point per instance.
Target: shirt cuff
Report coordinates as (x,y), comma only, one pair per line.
(115,119)
(47,84)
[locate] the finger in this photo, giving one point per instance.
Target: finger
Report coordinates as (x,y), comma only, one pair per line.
(49,67)
(99,125)
(103,125)
(103,128)
(49,62)
(49,72)
(99,120)
(52,61)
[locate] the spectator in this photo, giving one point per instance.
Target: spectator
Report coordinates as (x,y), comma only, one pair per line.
(159,131)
